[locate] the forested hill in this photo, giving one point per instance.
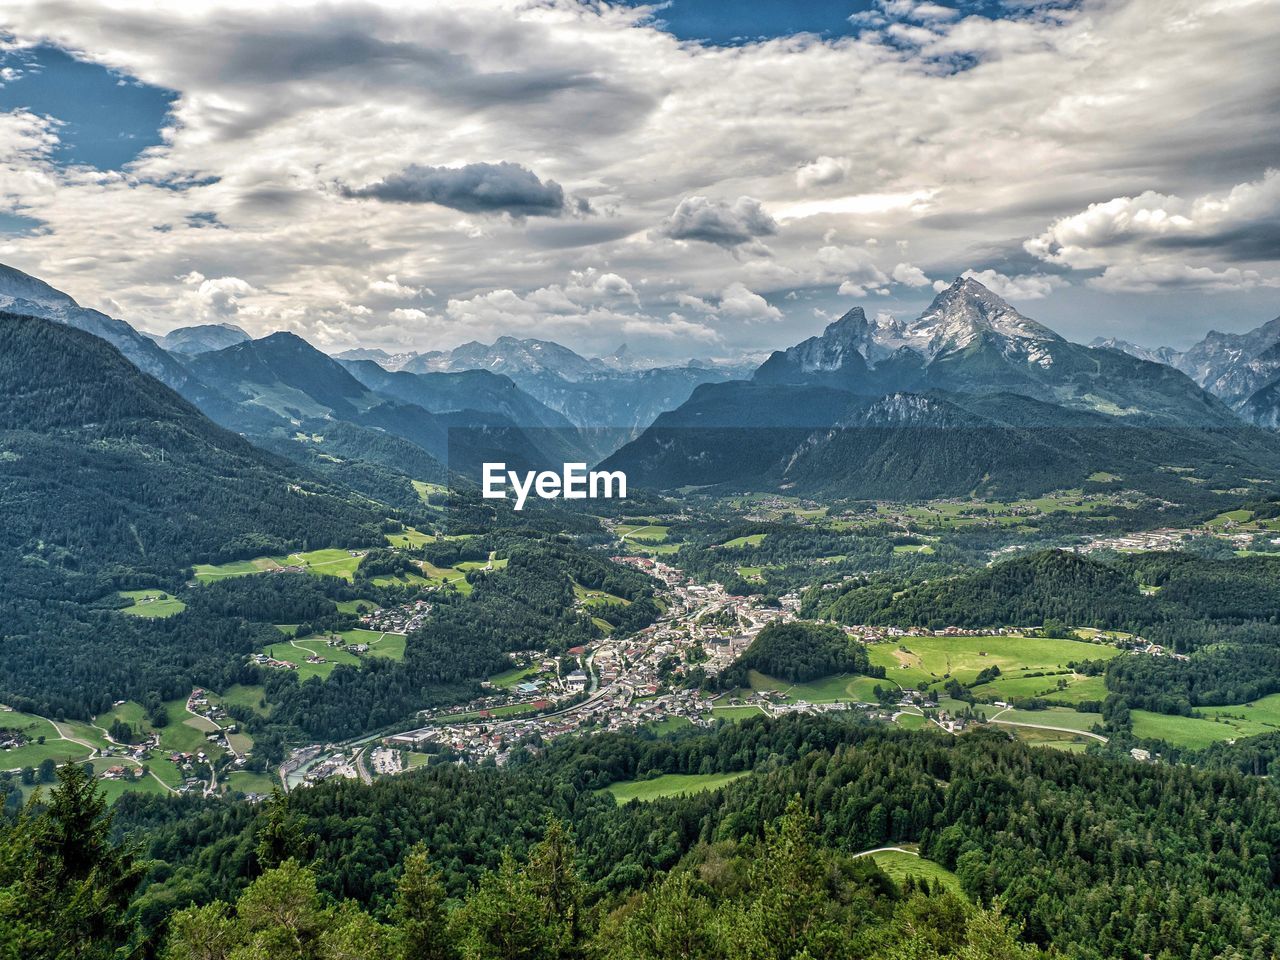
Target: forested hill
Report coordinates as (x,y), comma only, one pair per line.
(103,467)
(1025,591)
(1090,858)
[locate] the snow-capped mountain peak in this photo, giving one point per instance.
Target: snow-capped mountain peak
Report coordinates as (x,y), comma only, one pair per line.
(958,316)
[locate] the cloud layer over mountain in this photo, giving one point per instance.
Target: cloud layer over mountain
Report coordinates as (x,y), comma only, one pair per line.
(420,175)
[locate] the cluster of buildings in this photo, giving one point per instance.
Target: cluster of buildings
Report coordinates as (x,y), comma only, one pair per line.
(643,678)
(264,660)
(404,618)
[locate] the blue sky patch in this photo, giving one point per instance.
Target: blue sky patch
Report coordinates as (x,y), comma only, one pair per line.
(108,118)
(724,23)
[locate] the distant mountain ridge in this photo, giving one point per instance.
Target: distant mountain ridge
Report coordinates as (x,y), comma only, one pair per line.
(970,395)
(1241,369)
(202,338)
(970,341)
(614,396)
(281,386)
(92,443)
(23,294)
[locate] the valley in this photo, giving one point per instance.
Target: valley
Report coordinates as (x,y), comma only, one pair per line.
(360,620)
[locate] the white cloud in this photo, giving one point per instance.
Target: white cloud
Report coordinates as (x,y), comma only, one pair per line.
(854,267)
(408,314)
(392,287)
(1023,287)
(728,225)
(823,171)
(909,275)
(739,303)
(1111,99)
(1243,219)
(214,300)
(1163,275)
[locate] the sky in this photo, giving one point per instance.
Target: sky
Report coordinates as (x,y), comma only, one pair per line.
(694,178)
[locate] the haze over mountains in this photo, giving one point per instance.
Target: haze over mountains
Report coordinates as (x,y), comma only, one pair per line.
(970,393)
(616,392)
(1240,368)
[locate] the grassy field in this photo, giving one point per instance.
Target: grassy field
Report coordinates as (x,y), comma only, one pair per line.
(1069,742)
(753,540)
(151,603)
(509,678)
(409,538)
(670,785)
(642,532)
(899,865)
(596,598)
(734,713)
(298,651)
(510,710)
(1219,723)
(247,782)
(825,690)
(33,753)
(668,725)
(113,790)
(355,607)
(915,660)
(255,698)
(1265,711)
(1052,717)
(399,579)
(331,562)
(1078,688)
(911,721)
(427,489)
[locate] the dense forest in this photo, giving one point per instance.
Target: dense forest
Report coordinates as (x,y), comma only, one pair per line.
(800,652)
(1087,856)
(784,894)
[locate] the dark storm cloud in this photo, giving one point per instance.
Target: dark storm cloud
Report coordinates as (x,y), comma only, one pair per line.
(476,188)
(715,221)
(1248,243)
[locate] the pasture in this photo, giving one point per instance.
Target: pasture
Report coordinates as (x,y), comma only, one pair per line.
(669,785)
(899,865)
(151,603)
(648,533)
(329,562)
(912,661)
(33,752)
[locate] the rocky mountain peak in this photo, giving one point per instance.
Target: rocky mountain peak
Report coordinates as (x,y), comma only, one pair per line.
(965,311)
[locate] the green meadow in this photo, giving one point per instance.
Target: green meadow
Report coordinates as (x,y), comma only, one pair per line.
(669,785)
(899,865)
(912,661)
(151,603)
(329,562)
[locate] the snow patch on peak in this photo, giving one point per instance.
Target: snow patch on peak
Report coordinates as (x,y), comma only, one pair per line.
(961,314)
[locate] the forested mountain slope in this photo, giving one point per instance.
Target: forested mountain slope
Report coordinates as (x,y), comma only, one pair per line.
(104,467)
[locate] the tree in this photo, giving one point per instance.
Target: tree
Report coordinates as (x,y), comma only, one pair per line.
(72,883)
(504,919)
(553,873)
(419,915)
(281,834)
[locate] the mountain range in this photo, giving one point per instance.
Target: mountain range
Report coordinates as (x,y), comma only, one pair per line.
(971,395)
(613,394)
(1242,369)
(102,466)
